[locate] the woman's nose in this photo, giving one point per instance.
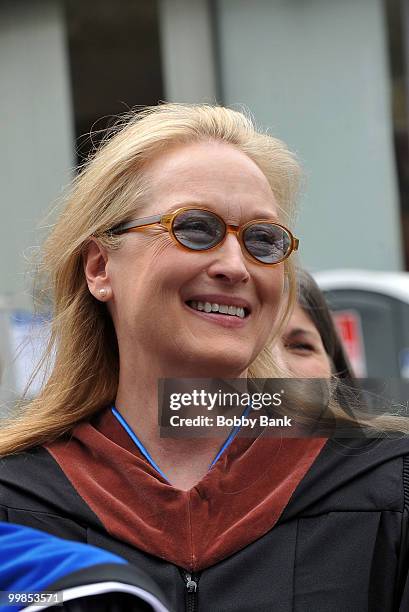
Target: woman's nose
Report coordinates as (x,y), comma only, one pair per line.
(228,262)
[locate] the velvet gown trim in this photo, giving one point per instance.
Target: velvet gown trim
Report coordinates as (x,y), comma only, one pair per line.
(236,502)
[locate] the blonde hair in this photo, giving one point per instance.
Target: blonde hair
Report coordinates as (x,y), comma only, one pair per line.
(83,343)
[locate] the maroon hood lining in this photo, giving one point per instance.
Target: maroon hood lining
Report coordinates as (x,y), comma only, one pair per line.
(236,502)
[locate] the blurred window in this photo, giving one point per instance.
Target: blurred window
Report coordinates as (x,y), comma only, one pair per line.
(114,60)
(397,22)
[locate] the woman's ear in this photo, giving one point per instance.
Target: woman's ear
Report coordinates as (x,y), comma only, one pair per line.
(95,260)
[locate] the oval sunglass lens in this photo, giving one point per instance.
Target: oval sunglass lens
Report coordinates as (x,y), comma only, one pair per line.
(198,229)
(267,242)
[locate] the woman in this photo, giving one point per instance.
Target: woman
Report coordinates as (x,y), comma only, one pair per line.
(309,345)
(171,260)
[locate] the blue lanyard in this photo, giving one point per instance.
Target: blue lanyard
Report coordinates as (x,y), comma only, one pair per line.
(230,438)
(137,441)
(147,455)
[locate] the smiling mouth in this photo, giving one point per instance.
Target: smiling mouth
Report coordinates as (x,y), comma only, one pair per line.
(220,309)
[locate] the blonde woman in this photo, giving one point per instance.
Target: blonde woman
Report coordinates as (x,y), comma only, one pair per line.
(171,259)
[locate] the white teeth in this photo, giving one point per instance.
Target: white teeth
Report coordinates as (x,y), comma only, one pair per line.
(237,311)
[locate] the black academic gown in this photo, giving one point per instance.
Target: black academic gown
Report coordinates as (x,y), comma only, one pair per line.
(340,543)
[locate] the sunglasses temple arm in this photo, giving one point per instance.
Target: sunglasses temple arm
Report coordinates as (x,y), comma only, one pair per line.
(144,222)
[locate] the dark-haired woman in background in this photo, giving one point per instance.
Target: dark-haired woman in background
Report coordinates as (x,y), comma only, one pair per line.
(309,345)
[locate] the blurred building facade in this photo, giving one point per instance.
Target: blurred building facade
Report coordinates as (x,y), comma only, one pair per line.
(320,74)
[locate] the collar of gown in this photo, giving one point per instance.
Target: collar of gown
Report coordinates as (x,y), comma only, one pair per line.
(239,500)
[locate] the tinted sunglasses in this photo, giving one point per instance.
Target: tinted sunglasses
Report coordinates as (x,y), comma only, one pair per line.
(198,229)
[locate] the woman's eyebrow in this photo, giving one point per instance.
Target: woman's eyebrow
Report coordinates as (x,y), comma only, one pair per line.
(259,214)
(298,331)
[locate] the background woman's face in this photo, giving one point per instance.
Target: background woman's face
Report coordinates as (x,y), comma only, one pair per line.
(301,349)
(153,281)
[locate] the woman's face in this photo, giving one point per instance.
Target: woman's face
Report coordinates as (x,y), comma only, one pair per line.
(152,282)
(300,348)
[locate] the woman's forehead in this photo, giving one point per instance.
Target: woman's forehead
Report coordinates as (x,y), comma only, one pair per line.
(212,175)
(205,160)
(300,321)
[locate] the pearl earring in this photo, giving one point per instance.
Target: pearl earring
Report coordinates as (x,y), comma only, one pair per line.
(103,292)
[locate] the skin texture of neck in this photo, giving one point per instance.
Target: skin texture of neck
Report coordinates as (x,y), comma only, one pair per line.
(184,461)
